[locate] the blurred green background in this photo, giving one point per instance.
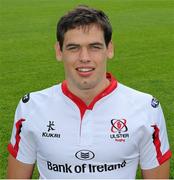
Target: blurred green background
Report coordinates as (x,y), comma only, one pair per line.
(144,53)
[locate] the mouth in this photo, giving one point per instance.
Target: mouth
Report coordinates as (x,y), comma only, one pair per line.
(85,71)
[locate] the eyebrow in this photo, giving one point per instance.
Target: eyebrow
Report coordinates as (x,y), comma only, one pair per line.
(91,44)
(96,44)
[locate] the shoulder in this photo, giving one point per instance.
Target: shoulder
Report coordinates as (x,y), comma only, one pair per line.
(41,95)
(145,107)
(137,98)
(33,101)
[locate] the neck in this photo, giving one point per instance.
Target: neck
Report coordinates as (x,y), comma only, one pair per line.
(87,95)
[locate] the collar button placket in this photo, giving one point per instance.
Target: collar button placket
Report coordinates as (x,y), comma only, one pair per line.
(86,129)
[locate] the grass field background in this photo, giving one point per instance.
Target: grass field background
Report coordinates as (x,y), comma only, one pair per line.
(144,53)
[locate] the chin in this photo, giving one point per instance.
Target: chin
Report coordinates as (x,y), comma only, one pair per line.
(86,86)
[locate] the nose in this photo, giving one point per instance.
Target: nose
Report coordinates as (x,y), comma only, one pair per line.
(84,55)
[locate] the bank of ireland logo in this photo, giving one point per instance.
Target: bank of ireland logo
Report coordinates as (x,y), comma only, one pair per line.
(85,155)
(119,130)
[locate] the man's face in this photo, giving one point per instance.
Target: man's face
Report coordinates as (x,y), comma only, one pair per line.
(84,55)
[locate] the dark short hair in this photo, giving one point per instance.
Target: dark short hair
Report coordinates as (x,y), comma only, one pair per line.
(83,16)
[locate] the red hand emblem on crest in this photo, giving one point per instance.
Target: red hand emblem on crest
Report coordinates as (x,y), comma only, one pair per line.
(118,125)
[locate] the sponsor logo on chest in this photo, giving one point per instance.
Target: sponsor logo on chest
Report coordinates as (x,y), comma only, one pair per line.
(84,168)
(84,155)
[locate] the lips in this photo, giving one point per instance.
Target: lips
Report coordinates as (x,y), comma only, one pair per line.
(85,71)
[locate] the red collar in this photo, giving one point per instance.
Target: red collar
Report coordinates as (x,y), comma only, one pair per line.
(81,105)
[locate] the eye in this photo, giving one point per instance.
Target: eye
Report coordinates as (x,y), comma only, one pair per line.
(72,47)
(96,47)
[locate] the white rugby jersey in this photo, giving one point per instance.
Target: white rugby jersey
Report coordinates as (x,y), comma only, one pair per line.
(120,129)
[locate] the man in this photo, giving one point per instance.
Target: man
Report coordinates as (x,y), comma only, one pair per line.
(90,125)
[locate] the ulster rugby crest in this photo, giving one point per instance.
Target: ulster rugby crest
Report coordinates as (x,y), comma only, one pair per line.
(119,130)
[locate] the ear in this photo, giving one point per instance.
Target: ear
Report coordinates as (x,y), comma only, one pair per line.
(58,51)
(110,50)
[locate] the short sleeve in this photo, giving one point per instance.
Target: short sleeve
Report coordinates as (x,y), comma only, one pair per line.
(154,147)
(22,145)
